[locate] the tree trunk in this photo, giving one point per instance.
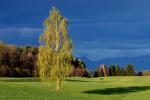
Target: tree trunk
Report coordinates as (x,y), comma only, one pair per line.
(58,85)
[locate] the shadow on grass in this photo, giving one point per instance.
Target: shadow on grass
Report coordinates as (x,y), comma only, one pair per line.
(73,80)
(20,80)
(118,90)
(70,80)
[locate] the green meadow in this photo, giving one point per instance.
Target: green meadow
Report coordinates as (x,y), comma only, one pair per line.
(111,88)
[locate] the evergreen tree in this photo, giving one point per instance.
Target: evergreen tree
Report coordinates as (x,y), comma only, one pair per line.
(112,70)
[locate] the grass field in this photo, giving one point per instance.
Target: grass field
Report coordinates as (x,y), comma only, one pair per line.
(112,88)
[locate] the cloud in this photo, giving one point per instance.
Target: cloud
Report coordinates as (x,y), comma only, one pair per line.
(25,32)
(98,53)
(101,49)
(99,28)
(20,36)
(114,44)
(29,32)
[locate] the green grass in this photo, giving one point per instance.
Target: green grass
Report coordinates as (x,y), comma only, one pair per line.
(112,88)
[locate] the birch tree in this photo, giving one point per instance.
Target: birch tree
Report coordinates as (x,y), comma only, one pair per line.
(55,51)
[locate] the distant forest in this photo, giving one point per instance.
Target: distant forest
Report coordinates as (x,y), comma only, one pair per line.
(20,61)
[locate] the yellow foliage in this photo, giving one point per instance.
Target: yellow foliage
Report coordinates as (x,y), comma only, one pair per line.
(55,52)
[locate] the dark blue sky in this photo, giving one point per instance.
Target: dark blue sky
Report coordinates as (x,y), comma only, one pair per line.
(99,28)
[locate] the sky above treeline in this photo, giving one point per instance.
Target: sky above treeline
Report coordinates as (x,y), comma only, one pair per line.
(99,28)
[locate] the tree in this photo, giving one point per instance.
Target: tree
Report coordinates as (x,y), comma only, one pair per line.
(98,72)
(118,70)
(104,70)
(130,70)
(112,70)
(4,59)
(55,51)
(79,68)
(122,72)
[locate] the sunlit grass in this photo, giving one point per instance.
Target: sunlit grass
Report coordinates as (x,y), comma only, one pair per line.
(111,88)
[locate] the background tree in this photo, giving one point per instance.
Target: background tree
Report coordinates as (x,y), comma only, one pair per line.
(98,72)
(112,70)
(118,70)
(3,54)
(79,68)
(17,61)
(130,70)
(122,72)
(4,59)
(55,52)
(104,71)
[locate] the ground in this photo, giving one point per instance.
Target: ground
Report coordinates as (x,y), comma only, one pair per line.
(111,88)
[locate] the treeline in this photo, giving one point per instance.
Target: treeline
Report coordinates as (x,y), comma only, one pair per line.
(21,62)
(144,73)
(114,70)
(17,61)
